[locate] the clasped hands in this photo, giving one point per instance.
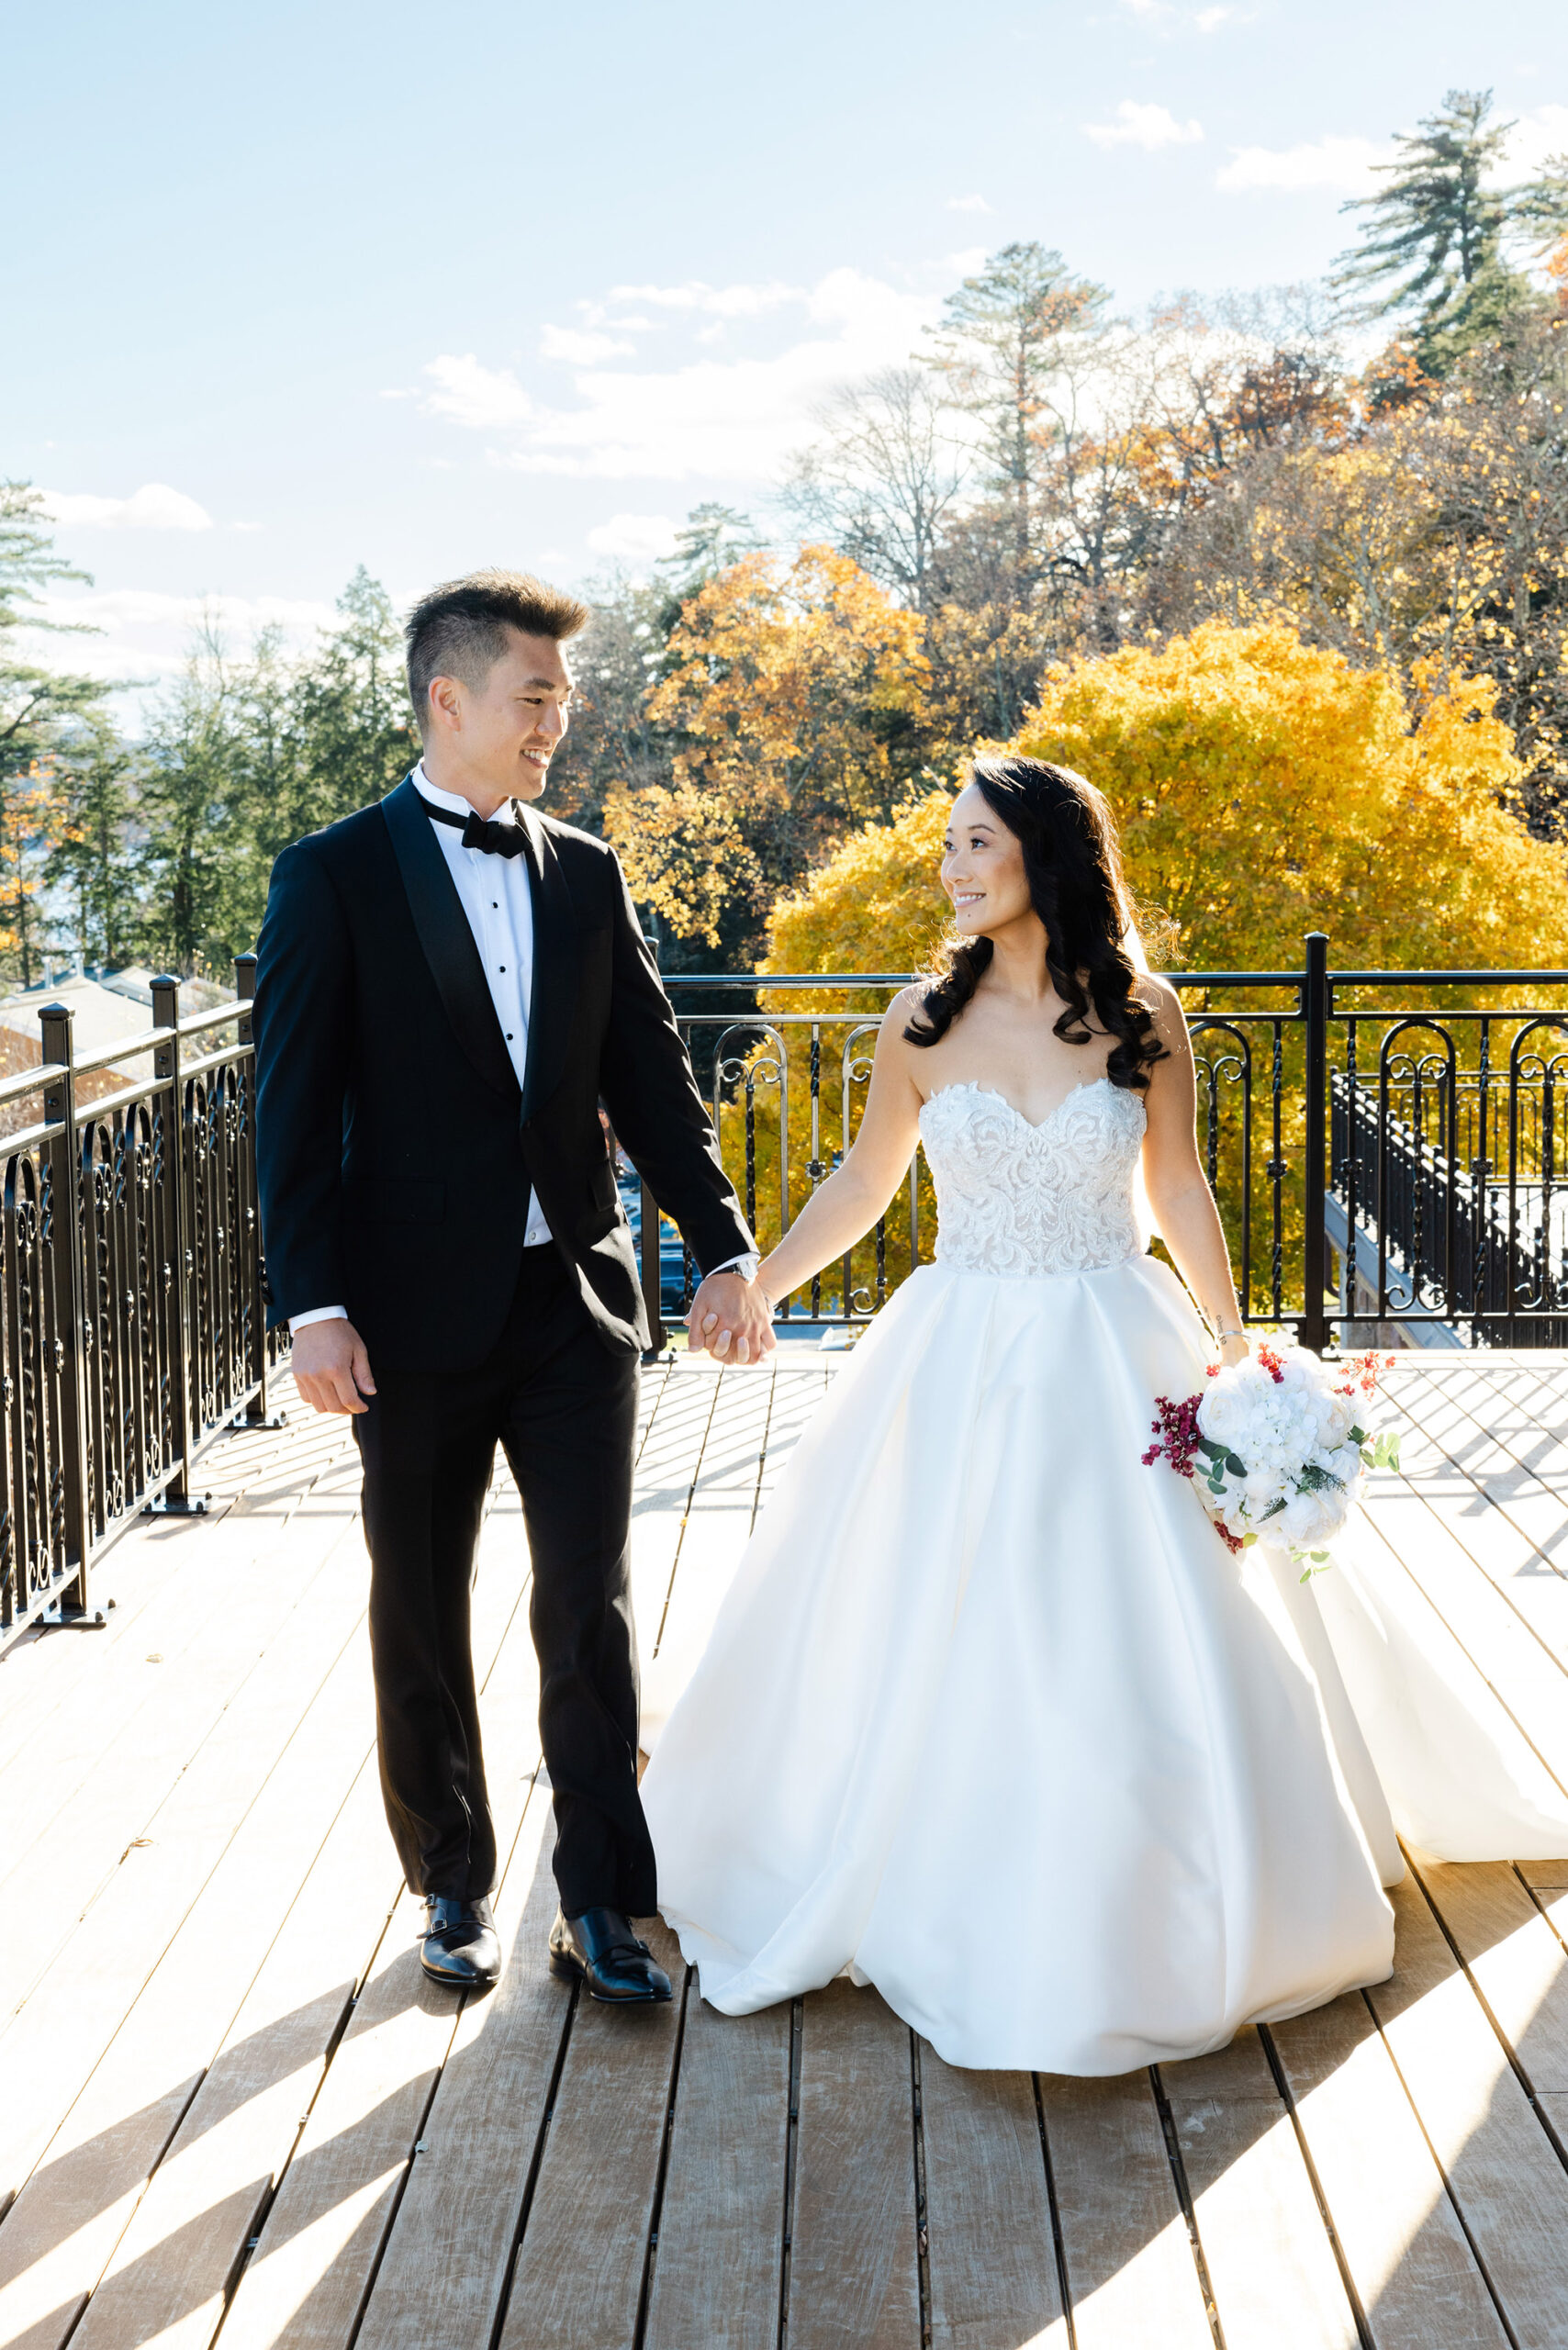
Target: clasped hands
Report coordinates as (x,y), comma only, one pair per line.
(730,1319)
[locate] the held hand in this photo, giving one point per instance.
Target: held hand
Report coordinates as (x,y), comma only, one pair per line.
(331,1367)
(732,1320)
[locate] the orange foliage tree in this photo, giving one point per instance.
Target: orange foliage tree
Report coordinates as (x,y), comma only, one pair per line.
(796,697)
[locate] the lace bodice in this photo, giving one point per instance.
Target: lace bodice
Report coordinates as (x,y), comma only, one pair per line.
(1019,1199)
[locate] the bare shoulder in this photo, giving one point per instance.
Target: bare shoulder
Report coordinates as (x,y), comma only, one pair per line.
(1169,1020)
(892,1045)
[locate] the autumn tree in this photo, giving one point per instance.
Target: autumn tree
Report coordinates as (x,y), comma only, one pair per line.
(40,708)
(795,699)
(1264,787)
(613,744)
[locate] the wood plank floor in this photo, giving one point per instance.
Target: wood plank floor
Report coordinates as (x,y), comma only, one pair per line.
(231,2109)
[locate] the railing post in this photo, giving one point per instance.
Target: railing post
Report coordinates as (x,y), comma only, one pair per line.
(257,1414)
(65,1254)
(176,1499)
(653,1287)
(1316,1006)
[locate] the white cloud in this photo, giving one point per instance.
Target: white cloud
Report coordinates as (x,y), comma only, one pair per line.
(967,203)
(712,416)
(1143,125)
(154,507)
(1163,17)
(1542,132)
(633,538)
(145,635)
(488,399)
(1340,165)
(579,348)
(717,301)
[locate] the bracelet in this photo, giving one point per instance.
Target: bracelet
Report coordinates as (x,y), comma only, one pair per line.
(1221,1336)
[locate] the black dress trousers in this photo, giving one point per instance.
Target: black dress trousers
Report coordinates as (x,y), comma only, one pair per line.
(564,1406)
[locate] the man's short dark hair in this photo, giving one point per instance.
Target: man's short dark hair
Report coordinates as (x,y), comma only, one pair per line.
(459,630)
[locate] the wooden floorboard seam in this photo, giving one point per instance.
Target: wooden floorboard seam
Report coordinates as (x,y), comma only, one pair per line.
(1184,2197)
(921,2212)
(661,2176)
(791,2145)
(530,2179)
(1532,2096)
(1353,2295)
(1477,2253)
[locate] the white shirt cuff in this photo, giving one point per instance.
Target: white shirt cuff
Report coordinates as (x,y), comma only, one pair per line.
(748,1262)
(318,1314)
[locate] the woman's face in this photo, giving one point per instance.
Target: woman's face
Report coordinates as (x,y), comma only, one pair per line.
(982,867)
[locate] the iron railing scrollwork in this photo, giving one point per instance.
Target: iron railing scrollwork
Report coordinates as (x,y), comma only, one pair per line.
(132,1316)
(1356,1152)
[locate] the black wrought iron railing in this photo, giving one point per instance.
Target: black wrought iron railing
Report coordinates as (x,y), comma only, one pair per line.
(131,1316)
(1437,1120)
(1387,1149)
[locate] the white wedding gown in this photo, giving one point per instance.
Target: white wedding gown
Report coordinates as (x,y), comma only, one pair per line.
(993,1718)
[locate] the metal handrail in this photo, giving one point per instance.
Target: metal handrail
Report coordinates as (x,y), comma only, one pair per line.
(131,1304)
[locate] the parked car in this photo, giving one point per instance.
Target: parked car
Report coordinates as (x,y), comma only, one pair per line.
(672,1253)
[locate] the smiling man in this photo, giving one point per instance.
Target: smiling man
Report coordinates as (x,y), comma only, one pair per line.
(448,984)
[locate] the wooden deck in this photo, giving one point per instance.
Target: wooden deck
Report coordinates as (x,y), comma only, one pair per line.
(227,2098)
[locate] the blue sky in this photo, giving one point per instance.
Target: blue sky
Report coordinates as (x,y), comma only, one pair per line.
(302,286)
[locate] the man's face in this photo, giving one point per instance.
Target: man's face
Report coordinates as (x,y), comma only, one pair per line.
(505,732)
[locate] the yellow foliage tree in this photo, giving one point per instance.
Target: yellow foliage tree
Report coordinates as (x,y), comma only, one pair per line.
(798,698)
(1264,787)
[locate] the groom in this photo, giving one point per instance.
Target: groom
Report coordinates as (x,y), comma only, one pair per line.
(448,985)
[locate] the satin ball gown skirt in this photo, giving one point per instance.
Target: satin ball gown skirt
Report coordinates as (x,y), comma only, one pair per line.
(993,1718)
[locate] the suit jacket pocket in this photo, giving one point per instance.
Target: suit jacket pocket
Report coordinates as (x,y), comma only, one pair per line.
(407,1202)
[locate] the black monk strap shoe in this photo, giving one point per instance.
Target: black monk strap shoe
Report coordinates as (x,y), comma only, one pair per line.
(600,1949)
(461,1948)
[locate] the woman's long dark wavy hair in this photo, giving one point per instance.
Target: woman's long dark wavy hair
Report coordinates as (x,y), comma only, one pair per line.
(1074,870)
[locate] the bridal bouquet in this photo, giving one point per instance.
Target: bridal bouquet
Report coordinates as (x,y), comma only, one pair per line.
(1277,1448)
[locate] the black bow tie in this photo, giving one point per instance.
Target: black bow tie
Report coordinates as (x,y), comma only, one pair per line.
(482,832)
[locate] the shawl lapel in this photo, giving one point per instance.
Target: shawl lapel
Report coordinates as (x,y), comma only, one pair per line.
(447,941)
(552,996)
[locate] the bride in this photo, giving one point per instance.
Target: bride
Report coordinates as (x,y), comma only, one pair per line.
(991,1716)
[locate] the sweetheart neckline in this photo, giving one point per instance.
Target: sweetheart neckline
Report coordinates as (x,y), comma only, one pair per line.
(972,1085)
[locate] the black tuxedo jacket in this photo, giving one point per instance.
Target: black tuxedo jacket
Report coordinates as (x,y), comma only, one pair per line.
(394,1148)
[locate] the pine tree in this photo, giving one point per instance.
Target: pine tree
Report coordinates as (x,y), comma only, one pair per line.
(714,537)
(91,863)
(999,344)
(1432,241)
(355,730)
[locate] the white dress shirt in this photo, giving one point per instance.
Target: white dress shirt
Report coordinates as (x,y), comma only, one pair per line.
(497,899)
